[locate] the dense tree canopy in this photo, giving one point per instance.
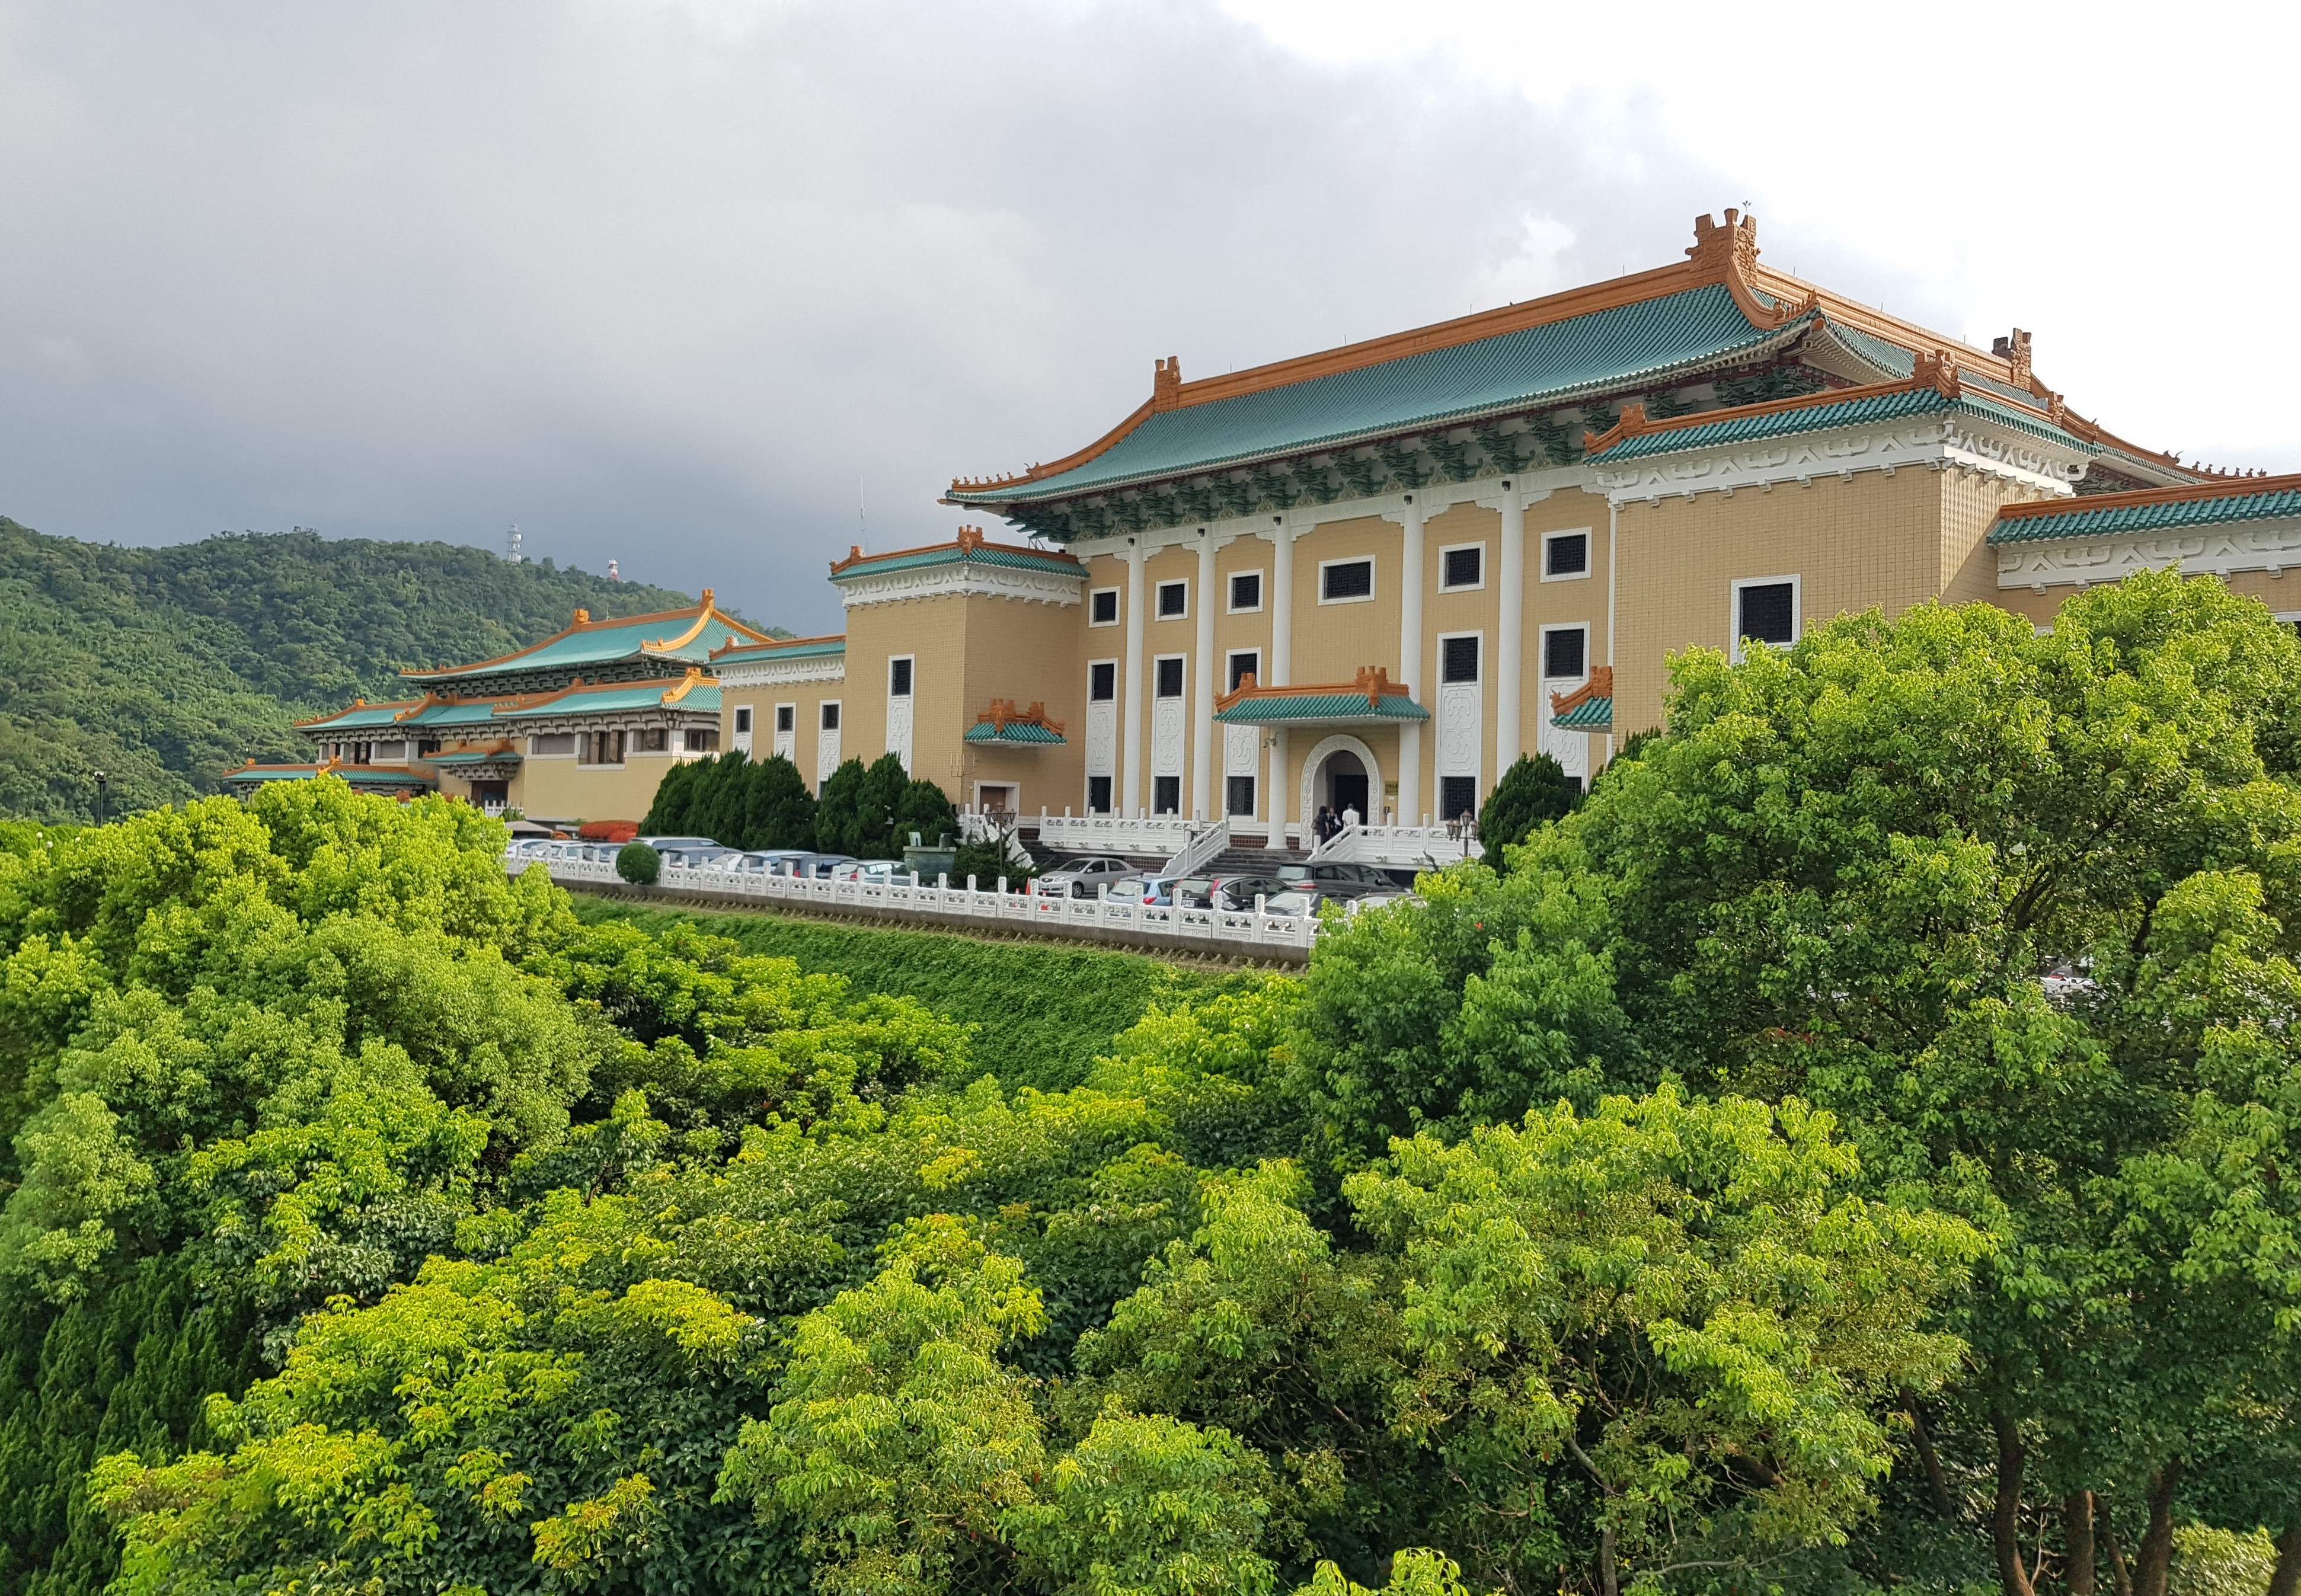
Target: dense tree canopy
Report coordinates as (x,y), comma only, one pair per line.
(164,667)
(1848,1151)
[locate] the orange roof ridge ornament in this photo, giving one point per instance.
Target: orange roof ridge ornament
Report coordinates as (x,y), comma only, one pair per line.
(1601,685)
(1633,422)
(1938,370)
(1727,253)
(970,538)
(1003,714)
(2014,351)
(1167,384)
(687,684)
(583,616)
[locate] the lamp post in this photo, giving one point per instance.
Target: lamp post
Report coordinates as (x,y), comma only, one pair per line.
(103,792)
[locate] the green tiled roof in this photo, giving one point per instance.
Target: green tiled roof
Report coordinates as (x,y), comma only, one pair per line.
(2169,514)
(1342,704)
(597,643)
(505,757)
(985,554)
(1862,410)
(1604,351)
(608,699)
(803,648)
(358,776)
(361,715)
(1016,732)
(1591,714)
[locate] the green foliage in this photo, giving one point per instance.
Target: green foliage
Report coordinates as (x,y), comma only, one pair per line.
(870,812)
(164,667)
(1533,791)
(734,801)
(638,864)
(1053,1009)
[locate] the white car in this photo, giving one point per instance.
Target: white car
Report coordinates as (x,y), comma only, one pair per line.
(1079,878)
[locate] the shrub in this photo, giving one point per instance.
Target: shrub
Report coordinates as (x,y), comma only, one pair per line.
(1535,790)
(639,864)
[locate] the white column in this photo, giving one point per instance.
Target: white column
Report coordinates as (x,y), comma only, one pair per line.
(1409,650)
(1130,708)
(1277,804)
(1203,700)
(1510,643)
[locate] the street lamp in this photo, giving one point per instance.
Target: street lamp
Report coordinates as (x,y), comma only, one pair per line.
(102,791)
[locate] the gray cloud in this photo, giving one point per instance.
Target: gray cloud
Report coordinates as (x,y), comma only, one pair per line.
(662,282)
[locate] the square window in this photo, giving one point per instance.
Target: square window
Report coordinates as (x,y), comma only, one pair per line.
(1767,612)
(1462,567)
(1566,554)
(742,720)
(1457,796)
(786,717)
(1345,580)
(1098,795)
(1102,608)
(1565,652)
(1174,601)
(1242,666)
(1238,795)
(1457,661)
(1170,676)
(1166,795)
(657,741)
(1102,680)
(1246,590)
(831,717)
(702,739)
(898,678)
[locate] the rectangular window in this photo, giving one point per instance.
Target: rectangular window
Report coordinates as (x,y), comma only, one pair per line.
(391,751)
(1098,795)
(1166,795)
(743,720)
(786,717)
(1174,601)
(1565,652)
(1345,581)
(1246,663)
(899,677)
(1565,554)
(1170,676)
(1458,659)
(1102,682)
(606,748)
(654,740)
(1102,608)
(426,746)
(1766,610)
(702,739)
(1238,795)
(1463,567)
(561,744)
(831,716)
(1246,591)
(1458,796)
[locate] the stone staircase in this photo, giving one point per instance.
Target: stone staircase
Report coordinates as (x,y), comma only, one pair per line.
(1252,861)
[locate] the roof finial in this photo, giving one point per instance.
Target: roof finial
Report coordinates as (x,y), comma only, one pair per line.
(1730,247)
(709,596)
(2014,352)
(582,615)
(1167,384)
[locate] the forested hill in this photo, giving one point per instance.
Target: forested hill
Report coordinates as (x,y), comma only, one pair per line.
(164,666)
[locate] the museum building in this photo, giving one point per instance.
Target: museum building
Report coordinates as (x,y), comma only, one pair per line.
(1374,576)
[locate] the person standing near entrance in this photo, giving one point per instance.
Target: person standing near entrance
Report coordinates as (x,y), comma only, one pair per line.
(1350,818)
(1323,827)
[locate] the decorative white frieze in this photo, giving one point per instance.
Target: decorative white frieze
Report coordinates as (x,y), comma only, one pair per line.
(1932,443)
(962,576)
(2244,546)
(777,673)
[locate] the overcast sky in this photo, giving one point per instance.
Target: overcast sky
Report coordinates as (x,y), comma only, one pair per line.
(668,282)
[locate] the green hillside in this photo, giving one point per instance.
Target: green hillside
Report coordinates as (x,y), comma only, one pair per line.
(164,666)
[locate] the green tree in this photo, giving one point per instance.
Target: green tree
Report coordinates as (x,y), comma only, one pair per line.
(924,808)
(779,810)
(1533,791)
(841,812)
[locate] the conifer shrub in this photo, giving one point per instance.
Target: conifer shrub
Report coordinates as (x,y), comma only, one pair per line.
(639,864)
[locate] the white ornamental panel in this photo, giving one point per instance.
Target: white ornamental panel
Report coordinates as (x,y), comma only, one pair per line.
(1167,738)
(826,757)
(1102,738)
(787,744)
(1241,747)
(1461,729)
(899,728)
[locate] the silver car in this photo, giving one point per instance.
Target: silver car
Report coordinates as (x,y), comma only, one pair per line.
(1080,878)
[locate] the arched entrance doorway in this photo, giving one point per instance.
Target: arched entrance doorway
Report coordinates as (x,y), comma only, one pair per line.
(1342,772)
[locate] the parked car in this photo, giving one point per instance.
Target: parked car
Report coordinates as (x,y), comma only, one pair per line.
(682,843)
(1378,900)
(1150,890)
(1323,871)
(769,861)
(1079,878)
(1230,892)
(698,858)
(817,867)
(1310,901)
(880,871)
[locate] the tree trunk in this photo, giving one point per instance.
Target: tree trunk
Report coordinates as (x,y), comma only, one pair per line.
(2155,1564)
(2006,1518)
(1609,1578)
(2286,1580)
(2077,1541)
(1936,1484)
(2121,1577)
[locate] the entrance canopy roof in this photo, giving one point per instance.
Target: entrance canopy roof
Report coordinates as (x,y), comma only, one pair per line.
(1373,700)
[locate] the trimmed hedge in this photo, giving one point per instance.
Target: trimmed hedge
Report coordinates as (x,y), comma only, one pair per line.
(1044,1012)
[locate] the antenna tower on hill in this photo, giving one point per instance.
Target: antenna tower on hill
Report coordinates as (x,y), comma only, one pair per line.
(511,545)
